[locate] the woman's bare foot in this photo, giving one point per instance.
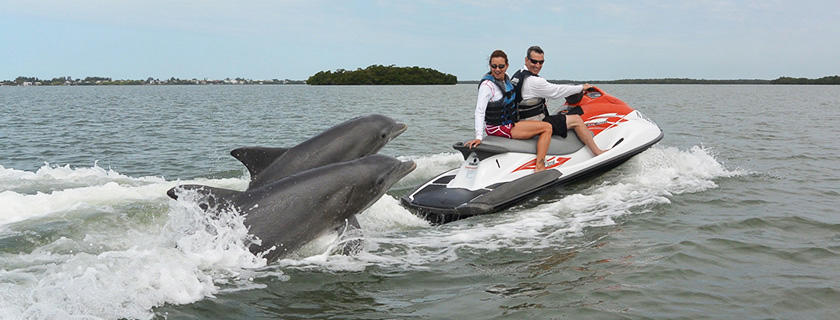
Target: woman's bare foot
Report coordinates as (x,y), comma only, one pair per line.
(539,166)
(599,152)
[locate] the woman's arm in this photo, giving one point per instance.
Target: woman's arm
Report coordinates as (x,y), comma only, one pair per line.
(485,93)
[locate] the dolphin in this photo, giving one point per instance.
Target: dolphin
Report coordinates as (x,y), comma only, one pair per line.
(292,211)
(352,139)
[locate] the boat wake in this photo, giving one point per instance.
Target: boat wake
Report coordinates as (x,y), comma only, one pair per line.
(94,242)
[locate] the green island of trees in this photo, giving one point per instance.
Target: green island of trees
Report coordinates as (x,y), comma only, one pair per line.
(823,80)
(382,75)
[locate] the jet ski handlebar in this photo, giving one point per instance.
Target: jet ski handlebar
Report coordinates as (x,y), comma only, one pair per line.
(591,92)
(482,151)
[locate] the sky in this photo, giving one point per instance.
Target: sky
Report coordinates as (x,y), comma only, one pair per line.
(294,39)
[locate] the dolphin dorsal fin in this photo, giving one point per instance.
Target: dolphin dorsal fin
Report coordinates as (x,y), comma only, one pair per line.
(256,159)
(209,197)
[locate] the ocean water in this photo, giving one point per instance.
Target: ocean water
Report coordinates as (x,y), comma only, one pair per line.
(733,215)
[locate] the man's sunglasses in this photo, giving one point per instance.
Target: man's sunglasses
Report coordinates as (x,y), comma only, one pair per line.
(535,61)
(497,66)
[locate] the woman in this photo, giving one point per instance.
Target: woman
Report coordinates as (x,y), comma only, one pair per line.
(495,111)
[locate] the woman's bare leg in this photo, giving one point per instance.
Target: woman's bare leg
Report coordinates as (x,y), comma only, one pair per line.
(527,129)
(575,122)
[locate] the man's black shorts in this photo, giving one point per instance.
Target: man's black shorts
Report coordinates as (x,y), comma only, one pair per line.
(558,121)
(558,124)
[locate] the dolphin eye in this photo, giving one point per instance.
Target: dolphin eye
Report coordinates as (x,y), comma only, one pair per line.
(384,135)
(380,181)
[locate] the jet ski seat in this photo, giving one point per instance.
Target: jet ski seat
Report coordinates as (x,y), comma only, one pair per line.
(492,145)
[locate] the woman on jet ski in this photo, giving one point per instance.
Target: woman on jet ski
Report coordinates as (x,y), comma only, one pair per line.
(495,111)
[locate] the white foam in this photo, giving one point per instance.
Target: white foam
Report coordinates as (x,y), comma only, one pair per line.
(122,270)
(114,274)
(648,179)
(92,187)
(387,214)
(17,207)
(49,176)
(428,167)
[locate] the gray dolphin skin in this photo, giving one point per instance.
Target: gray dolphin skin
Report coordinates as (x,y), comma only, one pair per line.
(292,211)
(352,139)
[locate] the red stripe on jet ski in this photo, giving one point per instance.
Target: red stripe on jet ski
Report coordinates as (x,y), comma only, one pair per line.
(596,125)
(551,162)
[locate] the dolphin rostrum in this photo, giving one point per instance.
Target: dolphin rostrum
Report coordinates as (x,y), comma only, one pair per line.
(294,210)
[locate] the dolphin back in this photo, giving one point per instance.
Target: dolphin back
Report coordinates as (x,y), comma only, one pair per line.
(349,140)
(256,159)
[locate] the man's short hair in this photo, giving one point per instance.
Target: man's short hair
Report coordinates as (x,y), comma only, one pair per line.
(536,49)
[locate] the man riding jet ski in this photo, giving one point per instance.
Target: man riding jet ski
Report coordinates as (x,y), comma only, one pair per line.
(499,172)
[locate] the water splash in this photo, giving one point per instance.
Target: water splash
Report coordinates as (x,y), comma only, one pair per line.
(56,190)
(428,167)
(127,267)
(49,177)
(101,261)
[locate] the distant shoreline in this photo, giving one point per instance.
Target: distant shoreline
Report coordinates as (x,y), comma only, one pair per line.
(92,81)
(98,81)
(831,80)
(654,81)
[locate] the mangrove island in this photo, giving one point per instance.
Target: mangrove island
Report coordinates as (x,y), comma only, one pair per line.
(382,75)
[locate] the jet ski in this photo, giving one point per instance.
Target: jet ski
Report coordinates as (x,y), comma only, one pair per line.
(499,172)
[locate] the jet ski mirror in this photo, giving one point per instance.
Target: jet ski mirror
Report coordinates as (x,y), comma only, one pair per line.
(592,93)
(574,99)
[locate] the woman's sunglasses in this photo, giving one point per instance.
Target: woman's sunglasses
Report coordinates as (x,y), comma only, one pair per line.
(497,66)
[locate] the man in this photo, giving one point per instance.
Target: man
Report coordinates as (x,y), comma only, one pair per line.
(533,91)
